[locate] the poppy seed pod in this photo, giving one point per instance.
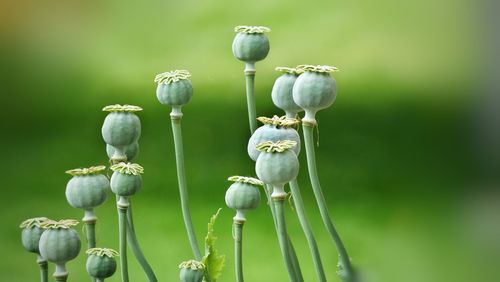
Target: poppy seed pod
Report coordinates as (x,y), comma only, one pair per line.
(101,262)
(277,164)
(59,244)
(32,231)
(121,127)
(251,44)
(274,130)
(131,151)
(126,179)
(315,89)
(243,195)
(88,188)
(191,271)
(174,88)
(282,93)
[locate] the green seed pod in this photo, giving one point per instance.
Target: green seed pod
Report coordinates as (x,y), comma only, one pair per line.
(251,44)
(101,262)
(131,151)
(243,195)
(126,179)
(88,188)
(274,130)
(59,243)
(32,231)
(314,90)
(277,164)
(191,271)
(174,88)
(282,93)
(121,126)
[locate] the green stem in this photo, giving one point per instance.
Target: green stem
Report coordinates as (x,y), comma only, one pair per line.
(306,226)
(99,280)
(238,241)
(282,236)
(346,271)
(176,117)
(44,269)
(133,243)
(293,256)
(250,83)
(90,234)
(60,273)
(122,226)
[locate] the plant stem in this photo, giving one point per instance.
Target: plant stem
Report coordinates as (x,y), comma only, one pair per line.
(44,269)
(238,241)
(60,273)
(176,117)
(99,280)
(304,222)
(250,83)
(346,271)
(282,236)
(135,247)
(122,225)
(293,256)
(90,234)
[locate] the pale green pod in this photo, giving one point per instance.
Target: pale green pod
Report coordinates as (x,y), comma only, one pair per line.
(282,93)
(88,188)
(174,88)
(244,193)
(131,151)
(274,130)
(277,164)
(250,43)
(126,179)
(191,271)
(32,231)
(59,243)
(314,90)
(121,126)
(101,262)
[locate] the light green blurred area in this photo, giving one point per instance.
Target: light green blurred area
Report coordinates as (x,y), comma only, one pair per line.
(397,153)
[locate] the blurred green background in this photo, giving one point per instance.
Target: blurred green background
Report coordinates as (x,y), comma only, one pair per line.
(406,157)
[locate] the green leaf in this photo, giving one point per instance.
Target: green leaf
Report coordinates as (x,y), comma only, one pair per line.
(213,261)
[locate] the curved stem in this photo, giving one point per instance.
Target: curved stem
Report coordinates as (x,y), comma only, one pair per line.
(250,82)
(44,269)
(293,256)
(282,236)
(238,242)
(346,271)
(133,243)
(122,225)
(176,117)
(306,226)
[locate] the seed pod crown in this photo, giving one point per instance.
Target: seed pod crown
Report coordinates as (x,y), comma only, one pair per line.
(276,147)
(128,168)
(288,70)
(86,171)
(101,252)
(279,121)
(251,29)
(121,108)
(317,68)
(192,264)
(246,180)
(33,222)
(172,76)
(61,224)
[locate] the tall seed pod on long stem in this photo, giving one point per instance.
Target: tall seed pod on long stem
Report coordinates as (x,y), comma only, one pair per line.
(88,189)
(59,244)
(277,165)
(121,132)
(243,195)
(282,128)
(175,90)
(101,263)
(32,231)
(314,90)
(126,181)
(250,46)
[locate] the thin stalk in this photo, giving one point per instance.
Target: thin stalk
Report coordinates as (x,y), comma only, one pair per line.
(250,85)
(60,274)
(293,256)
(122,225)
(44,269)
(90,234)
(176,117)
(306,227)
(133,243)
(346,269)
(282,236)
(238,249)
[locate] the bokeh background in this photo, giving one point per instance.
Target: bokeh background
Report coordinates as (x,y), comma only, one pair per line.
(408,154)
